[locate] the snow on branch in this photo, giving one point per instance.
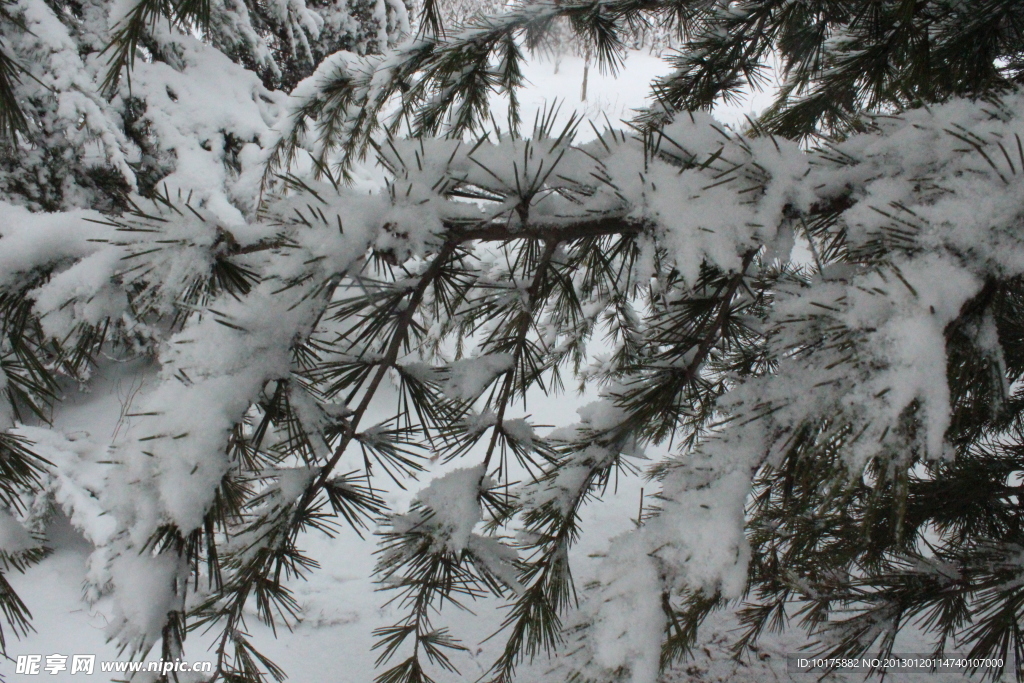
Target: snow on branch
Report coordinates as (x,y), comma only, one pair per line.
(476,274)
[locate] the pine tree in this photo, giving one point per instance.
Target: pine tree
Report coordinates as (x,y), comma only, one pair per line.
(844,430)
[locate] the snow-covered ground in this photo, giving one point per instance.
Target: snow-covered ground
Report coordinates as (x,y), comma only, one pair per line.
(340,606)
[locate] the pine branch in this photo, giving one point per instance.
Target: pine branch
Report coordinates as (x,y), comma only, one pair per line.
(12,118)
(534,297)
(442,83)
(661,395)
(726,294)
(13,609)
(399,339)
(534,621)
(560,232)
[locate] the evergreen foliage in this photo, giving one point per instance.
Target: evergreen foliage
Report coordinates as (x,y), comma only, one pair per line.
(843,430)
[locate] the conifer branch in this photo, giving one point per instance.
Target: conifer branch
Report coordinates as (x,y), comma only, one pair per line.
(854,514)
(534,296)
(534,622)
(561,231)
(399,339)
(712,335)
(459,232)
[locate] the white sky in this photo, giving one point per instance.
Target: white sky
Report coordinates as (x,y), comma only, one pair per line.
(613,96)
